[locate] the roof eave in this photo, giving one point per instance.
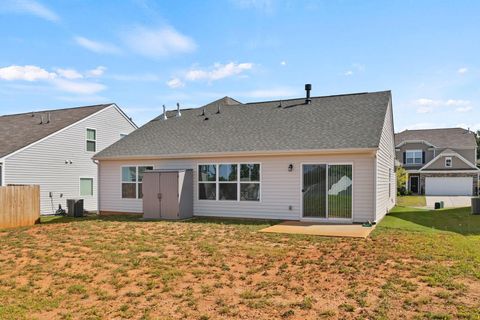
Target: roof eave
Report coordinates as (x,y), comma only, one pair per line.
(240,154)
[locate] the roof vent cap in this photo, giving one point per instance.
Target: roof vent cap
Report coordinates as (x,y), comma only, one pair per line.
(164,113)
(308,88)
(179,114)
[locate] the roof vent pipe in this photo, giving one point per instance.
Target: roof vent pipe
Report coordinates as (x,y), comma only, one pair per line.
(164,113)
(48,117)
(218,109)
(179,114)
(203,111)
(308,88)
(41,119)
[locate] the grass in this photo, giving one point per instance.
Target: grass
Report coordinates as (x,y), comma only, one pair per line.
(411,201)
(417,264)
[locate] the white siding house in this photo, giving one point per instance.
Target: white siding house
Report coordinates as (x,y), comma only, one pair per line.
(61,161)
(328,159)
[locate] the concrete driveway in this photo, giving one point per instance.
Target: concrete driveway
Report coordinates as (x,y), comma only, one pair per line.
(449,201)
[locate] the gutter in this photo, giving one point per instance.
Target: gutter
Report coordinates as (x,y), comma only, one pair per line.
(240,154)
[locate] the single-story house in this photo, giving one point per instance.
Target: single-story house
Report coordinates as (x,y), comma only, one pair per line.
(328,158)
(439,161)
(54,149)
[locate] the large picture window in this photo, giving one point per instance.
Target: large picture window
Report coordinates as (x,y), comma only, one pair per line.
(229,182)
(132,178)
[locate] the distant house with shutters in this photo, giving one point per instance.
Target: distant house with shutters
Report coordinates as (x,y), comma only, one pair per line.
(54,149)
(328,158)
(439,161)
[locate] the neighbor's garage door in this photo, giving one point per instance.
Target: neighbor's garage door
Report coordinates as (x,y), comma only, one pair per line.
(448,186)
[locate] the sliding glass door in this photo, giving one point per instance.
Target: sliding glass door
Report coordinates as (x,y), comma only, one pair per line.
(327,191)
(314,190)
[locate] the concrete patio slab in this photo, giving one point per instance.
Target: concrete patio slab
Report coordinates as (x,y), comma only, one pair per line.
(326,230)
(449,201)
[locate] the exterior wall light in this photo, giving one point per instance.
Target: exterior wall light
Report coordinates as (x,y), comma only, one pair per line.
(290,167)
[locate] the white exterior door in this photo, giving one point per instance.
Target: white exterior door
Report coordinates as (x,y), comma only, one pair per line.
(448,186)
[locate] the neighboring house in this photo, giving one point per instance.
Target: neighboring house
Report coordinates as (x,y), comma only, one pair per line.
(324,158)
(439,161)
(54,149)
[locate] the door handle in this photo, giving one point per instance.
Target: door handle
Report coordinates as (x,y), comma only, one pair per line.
(159,196)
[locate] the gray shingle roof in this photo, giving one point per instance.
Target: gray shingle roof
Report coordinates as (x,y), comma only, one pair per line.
(441,138)
(20,130)
(330,122)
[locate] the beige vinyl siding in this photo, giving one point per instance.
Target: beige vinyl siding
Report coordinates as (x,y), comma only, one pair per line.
(385,163)
(280,188)
(43,163)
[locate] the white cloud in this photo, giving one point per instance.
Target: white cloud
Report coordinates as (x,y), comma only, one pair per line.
(63,79)
(26,73)
(429,105)
(96,46)
(464,109)
(30,7)
(160,42)
(69,73)
(175,83)
(463,70)
(78,87)
(97,72)
(425,109)
(348,73)
(453,102)
(283,63)
(219,71)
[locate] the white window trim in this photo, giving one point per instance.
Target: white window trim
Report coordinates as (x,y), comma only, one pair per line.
(136,180)
(238,182)
(451,162)
(80,186)
(413,151)
(90,140)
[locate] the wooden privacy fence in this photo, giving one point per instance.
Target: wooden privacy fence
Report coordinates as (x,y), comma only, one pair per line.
(19,206)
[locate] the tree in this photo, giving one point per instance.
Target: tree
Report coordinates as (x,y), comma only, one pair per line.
(402,177)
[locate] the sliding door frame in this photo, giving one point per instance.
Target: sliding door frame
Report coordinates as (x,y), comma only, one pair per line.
(327,219)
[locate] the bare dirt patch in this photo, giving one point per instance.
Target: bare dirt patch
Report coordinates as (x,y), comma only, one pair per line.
(116,269)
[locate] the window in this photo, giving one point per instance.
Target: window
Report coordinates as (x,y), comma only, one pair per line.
(229,182)
(448,162)
(91,140)
(132,178)
(207,178)
(86,186)
(250,182)
(414,157)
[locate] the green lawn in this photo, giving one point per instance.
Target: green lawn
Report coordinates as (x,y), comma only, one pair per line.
(411,201)
(417,264)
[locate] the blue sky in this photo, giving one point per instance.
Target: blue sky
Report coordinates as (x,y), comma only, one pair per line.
(143,54)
